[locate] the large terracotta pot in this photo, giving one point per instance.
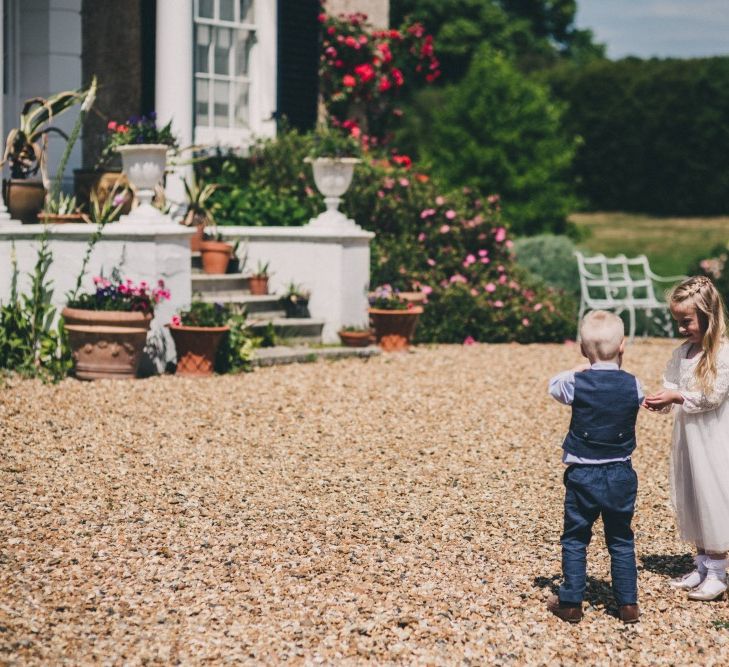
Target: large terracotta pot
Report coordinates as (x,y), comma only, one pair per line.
(24,199)
(394,329)
(106,344)
(258,285)
(215,256)
(196,348)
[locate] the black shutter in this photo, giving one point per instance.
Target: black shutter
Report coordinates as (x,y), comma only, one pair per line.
(298,62)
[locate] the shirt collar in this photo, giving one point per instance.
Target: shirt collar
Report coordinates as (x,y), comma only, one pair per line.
(604,366)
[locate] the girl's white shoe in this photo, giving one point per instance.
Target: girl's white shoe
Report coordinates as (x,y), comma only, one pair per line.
(688,581)
(712,588)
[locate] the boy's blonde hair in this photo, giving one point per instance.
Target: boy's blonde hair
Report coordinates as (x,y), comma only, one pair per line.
(700,292)
(601,334)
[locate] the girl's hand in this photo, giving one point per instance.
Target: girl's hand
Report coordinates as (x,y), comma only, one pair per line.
(662,399)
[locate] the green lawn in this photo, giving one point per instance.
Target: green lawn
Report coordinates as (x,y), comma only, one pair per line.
(671,244)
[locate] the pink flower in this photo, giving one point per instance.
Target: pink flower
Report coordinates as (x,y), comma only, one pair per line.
(176,320)
(444,229)
(537,307)
(525,322)
(458,278)
(388,183)
(425,213)
(349,81)
(498,303)
(469,340)
(509,243)
(440,200)
(431,262)
(492,199)
(474,291)
(404,182)
(483,253)
(380,194)
(426,289)
(485,260)
(421,237)
(490,287)
(470,259)
(500,234)
(502,279)
(500,268)
(450,214)
(365,72)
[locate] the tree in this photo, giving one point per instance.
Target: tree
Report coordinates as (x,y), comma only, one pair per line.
(536,33)
(497,131)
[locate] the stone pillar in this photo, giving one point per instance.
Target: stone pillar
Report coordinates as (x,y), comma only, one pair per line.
(174,82)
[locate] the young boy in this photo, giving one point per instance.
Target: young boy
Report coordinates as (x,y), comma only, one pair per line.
(599,478)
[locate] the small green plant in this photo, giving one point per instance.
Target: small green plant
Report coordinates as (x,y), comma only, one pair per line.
(137,130)
(261,270)
(236,352)
(63,204)
(198,203)
(332,142)
(351,329)
(385,297)
(202,314)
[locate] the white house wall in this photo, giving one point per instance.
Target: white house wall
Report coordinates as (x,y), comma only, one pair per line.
(48,60)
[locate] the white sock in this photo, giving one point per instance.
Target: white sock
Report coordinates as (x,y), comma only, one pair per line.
(716,568)
(700,562)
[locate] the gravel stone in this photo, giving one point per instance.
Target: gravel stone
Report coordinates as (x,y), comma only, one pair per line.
(402,509)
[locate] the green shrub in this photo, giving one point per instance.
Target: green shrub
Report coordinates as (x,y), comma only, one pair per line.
(500,132)
(551,258)
(653,133)
(525,314)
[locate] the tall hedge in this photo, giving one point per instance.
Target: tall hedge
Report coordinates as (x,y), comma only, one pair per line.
(655,133)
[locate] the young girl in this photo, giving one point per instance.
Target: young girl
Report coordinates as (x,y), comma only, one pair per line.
(697,380)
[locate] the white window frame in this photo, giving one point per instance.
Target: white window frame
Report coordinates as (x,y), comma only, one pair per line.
(261,78)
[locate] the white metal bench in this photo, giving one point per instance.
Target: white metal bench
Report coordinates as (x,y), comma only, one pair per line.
(621,284)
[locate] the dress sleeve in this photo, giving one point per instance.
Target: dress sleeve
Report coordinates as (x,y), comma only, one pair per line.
(673,370)
(697,401)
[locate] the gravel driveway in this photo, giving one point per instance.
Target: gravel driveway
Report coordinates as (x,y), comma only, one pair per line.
(405,509)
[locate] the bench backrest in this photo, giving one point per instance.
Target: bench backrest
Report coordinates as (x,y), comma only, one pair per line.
(608,281)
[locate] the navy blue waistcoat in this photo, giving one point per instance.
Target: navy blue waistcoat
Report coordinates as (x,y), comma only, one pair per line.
(604,411)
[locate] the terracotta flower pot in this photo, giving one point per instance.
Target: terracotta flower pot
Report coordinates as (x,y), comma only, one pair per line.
(196,240)
(394,329)
(258,285)
(215,256)
(196,348)
(355,338)
(106,344)
(60,218)
(24,199)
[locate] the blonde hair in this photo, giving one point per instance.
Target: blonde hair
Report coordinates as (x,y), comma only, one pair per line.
(601,333)
(700,292)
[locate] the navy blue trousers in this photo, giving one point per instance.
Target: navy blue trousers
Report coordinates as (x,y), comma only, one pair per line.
(591,490)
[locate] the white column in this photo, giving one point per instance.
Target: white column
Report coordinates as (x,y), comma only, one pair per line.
(174,82)
(4,215)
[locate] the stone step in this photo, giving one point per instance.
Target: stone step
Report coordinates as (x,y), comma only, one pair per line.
(205,283)
(290,328)
(265,306)
(281,354)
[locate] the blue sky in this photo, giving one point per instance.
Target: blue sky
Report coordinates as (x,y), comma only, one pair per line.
(663,28)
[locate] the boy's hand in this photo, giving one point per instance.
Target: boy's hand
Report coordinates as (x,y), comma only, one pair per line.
(581,367)
(662,399)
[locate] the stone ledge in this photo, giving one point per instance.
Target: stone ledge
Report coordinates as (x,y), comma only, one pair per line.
(273,356)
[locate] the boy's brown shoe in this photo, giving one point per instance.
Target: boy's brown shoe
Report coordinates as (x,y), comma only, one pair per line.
(566,612)
(629,613)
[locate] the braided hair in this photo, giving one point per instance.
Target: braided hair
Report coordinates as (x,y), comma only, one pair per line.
(701,293)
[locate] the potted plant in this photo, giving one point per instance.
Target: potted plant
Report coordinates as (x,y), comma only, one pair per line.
(143,148)
(295,301)
(107,328)
(215,253)
(197,333)
(198,213)
(237,262)
(61,210)
(355,336)
(258,282)
(333,158)
(393,319)
(26,153)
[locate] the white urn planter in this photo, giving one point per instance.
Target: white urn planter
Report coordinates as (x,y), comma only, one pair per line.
(333,176)
(144,166)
